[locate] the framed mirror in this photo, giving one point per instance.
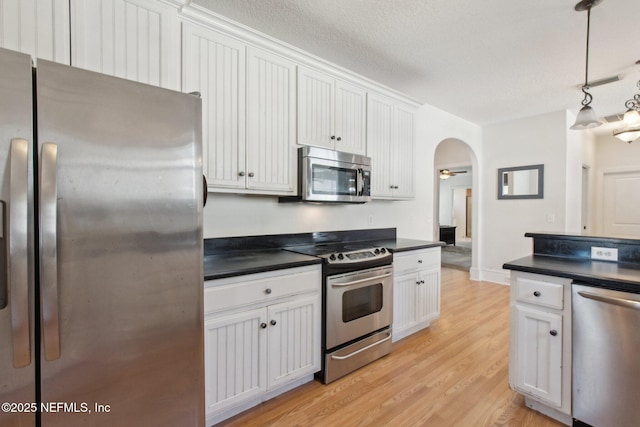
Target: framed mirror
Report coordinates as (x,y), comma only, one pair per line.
(522,182)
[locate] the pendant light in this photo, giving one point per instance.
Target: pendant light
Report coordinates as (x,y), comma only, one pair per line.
(586,116)
(631,131)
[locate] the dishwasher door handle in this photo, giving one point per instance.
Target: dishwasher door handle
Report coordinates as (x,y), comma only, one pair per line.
(622,302)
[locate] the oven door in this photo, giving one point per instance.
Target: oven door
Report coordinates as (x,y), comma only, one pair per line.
(358,303)
(326,180)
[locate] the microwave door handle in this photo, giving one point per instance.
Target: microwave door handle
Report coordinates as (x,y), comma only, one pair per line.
(18,268)
(360,182)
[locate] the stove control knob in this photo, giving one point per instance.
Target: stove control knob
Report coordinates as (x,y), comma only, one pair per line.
(383,250)
(332,257)
(340,256)
(377,251)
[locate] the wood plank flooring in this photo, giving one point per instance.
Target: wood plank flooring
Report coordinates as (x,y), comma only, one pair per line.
(454,373)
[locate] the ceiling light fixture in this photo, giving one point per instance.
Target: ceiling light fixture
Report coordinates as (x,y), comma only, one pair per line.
(586,116)
(631,131)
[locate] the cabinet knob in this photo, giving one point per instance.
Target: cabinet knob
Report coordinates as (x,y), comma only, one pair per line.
(419,261)
(240,173)
(263,325)
(333,137)
(339,139)
(417,282)
(422,281)
(251,174)
(553,332)
(391,187)
(267,291)
(273,323)
(536,293)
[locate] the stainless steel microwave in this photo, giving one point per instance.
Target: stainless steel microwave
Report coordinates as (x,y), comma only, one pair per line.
(331,176)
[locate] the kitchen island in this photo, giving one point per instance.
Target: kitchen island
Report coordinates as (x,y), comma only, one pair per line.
(543,365)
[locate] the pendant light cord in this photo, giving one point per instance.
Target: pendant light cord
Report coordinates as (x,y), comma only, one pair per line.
(587,96)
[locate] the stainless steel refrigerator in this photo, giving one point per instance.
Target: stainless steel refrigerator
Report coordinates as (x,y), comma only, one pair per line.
(101,315)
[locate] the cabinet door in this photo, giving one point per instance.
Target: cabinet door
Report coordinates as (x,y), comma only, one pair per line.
(39,28)
(402,150)
(351,110)
(379,137)
(214,65)
(539,354)
(315,108)
(271,122)
(235,363)
(428,295)
(294,339)
(133,39)
(404,301)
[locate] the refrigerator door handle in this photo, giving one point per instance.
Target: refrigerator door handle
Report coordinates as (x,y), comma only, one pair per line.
(18,271)
(49,250)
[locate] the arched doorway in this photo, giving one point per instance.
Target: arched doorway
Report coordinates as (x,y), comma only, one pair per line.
(456,204)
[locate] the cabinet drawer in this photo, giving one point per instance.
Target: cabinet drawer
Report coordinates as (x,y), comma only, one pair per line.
(225,294)
(540,293)
(416,260)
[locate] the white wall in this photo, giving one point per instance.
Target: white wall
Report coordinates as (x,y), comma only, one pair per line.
(233,215)
(534,140)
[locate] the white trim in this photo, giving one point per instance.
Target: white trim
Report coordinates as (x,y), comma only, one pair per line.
(500,277)
(200,15)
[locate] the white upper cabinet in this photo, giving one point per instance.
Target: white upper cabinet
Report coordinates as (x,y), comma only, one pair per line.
(214,65)
(133,39)
(390,144)
(39,28)
(271,123)
(331,113)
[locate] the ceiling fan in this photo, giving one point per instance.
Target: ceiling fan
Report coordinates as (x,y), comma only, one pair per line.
(446,173)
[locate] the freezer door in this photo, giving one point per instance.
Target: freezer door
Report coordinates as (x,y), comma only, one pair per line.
(120,201)
(17,366)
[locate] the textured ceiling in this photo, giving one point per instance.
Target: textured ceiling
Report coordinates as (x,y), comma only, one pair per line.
(485,61)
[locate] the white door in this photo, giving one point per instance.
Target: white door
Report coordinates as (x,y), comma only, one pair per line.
(294,339)
(539,354)
(379,137)
(235,364)
(133,39)
(214,65)
(404,301)
(39,28)
(402,153)
(351,111)
(315,108)
(428,295)
(271,122)
(621,200)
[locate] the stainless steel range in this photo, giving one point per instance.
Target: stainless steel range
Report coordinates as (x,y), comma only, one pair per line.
(357,305)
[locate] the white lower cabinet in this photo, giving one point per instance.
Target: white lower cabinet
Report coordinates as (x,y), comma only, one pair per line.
(416,291)
(540,343)
(262,337)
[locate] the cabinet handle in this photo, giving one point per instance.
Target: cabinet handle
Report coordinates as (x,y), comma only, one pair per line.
(240,173)
(536,293)
(419,261)
(251,174)
(273,323)
(263,325)
(333,137)
(267,291)
(553,332)
(339,139)
(391,187)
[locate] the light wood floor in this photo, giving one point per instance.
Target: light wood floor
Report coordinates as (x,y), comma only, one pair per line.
(454,373)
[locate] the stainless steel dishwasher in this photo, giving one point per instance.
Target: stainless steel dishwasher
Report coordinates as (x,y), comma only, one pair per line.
(606,356)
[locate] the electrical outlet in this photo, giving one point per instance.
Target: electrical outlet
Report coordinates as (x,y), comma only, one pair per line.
(604,254)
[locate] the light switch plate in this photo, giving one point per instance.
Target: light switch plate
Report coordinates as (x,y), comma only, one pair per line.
(604,254)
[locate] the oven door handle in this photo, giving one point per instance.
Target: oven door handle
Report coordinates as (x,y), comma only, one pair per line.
(356,282)
(363,348)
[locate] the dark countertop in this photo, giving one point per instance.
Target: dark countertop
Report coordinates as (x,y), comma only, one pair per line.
(597,273)
(241,262)
(238,263)
(403,245)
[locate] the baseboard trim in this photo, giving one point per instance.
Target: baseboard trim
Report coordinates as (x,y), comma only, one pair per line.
(501,277)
